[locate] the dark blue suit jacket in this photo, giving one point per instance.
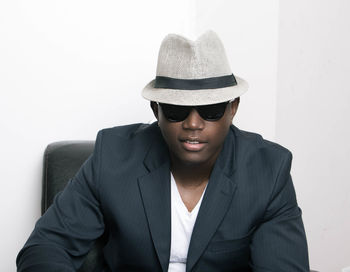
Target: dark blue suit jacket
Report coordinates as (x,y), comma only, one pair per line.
(249,219)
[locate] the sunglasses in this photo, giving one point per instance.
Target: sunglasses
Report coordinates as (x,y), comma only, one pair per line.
(176,113)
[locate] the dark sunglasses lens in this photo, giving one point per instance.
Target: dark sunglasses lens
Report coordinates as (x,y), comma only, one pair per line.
(174,113)
(212,112)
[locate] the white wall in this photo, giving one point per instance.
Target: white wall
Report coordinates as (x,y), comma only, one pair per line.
(313,118)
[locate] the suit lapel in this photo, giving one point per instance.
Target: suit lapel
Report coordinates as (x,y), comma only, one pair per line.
(155,193)
(216,201)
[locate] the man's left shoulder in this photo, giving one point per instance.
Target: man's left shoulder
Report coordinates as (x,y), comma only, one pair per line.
(253,144)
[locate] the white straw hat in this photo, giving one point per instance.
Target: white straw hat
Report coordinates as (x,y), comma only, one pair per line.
(193,73)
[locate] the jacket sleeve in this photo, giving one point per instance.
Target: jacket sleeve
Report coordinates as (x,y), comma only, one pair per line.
(279,243)
(64,234)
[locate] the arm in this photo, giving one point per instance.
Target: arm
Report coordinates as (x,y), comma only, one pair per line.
(65,233)
(279,244)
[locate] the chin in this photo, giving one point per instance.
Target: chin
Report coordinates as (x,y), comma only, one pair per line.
(194,159)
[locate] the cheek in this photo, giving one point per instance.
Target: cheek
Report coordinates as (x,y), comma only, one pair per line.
(219,132)
(169,132)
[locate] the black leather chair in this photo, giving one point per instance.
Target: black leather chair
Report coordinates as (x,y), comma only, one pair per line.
(61,161)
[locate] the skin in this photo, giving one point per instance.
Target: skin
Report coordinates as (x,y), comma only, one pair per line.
(194,145)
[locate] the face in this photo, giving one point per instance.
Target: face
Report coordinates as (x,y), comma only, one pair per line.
(195,141)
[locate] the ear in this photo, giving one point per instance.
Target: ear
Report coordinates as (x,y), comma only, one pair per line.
(234,107)
(154,107)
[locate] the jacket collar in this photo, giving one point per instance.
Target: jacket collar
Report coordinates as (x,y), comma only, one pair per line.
(158,152)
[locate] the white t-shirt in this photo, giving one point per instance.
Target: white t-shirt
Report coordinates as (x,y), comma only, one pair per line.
(182,222)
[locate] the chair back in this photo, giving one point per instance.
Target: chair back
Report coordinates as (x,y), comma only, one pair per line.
(62,160)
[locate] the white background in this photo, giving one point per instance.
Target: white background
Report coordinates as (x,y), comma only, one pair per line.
(70,68)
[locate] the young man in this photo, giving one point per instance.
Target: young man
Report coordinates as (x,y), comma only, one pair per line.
(190,192)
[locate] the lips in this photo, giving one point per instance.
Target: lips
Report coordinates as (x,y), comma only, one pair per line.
(193,144)
(191,141)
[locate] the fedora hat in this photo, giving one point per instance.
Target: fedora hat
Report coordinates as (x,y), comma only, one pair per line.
(193,73)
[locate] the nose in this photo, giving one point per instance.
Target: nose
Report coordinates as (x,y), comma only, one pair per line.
(193,121)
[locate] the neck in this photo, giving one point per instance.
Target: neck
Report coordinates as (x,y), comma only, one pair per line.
(191,174)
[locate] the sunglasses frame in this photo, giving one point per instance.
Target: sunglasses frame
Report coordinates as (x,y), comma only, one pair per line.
(200,109)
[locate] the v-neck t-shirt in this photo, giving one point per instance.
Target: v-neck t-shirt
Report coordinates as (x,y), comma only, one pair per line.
(182,223)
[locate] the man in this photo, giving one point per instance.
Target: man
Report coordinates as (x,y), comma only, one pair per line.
(190,192)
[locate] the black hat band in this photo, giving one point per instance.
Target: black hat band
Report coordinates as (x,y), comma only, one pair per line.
(195,84)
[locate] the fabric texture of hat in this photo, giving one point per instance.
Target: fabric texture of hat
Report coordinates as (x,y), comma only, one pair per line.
(193,72)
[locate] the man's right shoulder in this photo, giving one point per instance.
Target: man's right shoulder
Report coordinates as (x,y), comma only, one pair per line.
(134,134)
(130,131)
